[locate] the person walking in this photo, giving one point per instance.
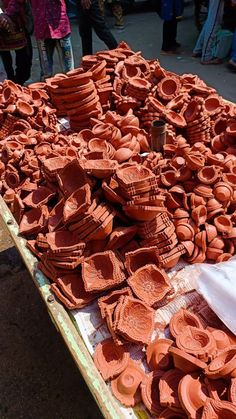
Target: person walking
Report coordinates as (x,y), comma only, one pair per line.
(171,12)
(17,16)
(204,47)
(52,31)
(90,17)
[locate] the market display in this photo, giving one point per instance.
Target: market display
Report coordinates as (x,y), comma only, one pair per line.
(107,217)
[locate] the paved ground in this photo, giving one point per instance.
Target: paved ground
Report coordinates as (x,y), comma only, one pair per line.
(38,378)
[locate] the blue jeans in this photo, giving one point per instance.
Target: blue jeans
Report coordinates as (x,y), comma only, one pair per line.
(46,51)
(233,55)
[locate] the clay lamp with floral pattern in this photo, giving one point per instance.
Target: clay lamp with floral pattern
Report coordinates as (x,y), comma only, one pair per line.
(168,387)
(150,392)
(139,258)
(110,359)
(186,362)
(183,318)
(102,271)
(197,342)
(150,284)
(223,365)
(215,409)
(135,320)
(126,387)
(157,354)
(193,393)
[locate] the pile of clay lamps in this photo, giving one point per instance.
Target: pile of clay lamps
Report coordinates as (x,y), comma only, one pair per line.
(190,375)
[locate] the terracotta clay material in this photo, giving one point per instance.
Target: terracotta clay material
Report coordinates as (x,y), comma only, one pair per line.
(136,321)
(215,409)
(150,284)
(139,258)
(64,241)
(126,387)
(171,414)
(223,224)
(198,342)
(168,387)
(193,394)
(186,362)
(218,389)
(232,391)
(33,221)
(223,365)
(108,300)
(150,392)
(39,197)
(158,354)
(110,359)
(72,287)
(181,320)
(77,203)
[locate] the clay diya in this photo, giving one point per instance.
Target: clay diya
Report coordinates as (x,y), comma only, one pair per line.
(64,241)
(77,203)
(126,387)
(208,174)
(150,284)
(150,393)
(110,359)
(168,88)
(223,365)
(168,387)
(193,393)
(215,409)
(223,224)
(198,342)
(157,354)
(136,321)
(138,258)
(221,338)
(102,271)
(34,220)
(186,362)
(183,318)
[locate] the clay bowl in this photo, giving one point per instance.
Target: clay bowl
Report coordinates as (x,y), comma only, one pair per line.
(197,342)
(150,284)
(157,354)
(110,359)
(213,104)
(221,338)
(193,394)
(223,224)
(181,320)
(223,365)
(186,362)
(199,215)
(126,387)
(194,161)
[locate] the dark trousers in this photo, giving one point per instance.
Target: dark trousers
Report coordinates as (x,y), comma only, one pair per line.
(23,63)
(93,19)
(169,34)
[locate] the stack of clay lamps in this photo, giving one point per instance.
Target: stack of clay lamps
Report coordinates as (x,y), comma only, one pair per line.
(191,375)
(22,109)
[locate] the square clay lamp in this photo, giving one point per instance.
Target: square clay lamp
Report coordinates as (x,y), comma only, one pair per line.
(102,271)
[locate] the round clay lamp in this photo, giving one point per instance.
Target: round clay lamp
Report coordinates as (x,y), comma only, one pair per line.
(223,365)
(193,394)
(157,354)
(217,243)
(192,111)
(208,174)
(126,387)
(222,191)
(213,204)
(199,215)
(167,88)
(223,224)
(186,362)
(215,409)
(211,232)
(197,342)
(168,387)
(185,232)
(110,359)
(181,319)
(24,108)
(150,393)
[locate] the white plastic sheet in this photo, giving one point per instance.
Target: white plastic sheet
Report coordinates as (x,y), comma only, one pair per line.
(217,284)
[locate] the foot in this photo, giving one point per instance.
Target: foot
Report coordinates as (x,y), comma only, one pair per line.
(232,64)
(169,52)
(196,54)
(212,61)
(119,27)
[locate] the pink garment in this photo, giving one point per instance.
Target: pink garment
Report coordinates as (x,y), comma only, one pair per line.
(50,17)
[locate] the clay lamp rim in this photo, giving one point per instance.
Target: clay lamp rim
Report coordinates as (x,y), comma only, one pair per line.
(223,224)
(192,393)
(207,346)
(208,174)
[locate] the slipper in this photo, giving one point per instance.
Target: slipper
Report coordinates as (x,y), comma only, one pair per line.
(213,61)
(170,52)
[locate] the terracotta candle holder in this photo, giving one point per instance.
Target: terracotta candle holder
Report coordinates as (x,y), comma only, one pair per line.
(183,318)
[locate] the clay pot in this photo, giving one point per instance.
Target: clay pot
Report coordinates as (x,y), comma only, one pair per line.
(193,394)
(126,387)
(186,362)
(110,359)
(194,161)
(181,320)
(157,354)
(221,338)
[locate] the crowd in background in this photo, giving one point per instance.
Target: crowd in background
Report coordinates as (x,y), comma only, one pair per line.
(48,21)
